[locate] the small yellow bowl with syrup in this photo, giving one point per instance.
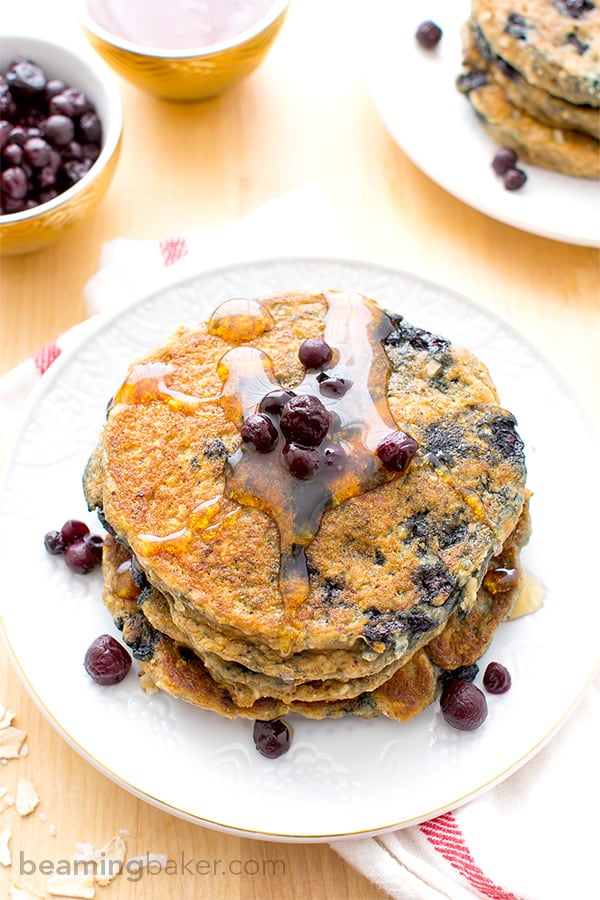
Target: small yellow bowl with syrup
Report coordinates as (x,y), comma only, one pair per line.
(183,50)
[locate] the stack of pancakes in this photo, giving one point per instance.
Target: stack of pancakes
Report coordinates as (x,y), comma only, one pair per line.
(532,75)
(403,580)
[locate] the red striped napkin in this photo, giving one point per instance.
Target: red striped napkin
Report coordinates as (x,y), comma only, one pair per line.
(533,837)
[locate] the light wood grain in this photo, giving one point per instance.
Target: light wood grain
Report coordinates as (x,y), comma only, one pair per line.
(304,116)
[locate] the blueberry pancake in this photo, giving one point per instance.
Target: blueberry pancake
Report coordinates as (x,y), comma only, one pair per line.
(553,44)
(174,667)
(538,103)
(309,488)
(559,149)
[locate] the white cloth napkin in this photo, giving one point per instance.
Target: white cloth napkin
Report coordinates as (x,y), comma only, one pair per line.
(534,837)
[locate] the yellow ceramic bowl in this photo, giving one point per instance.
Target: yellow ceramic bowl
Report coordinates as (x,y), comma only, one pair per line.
(34,229)
(186,75)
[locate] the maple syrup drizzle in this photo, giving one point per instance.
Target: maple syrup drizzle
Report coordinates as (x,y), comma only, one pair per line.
(207,519)
(531,598)
(239,320)
(147,382)
(354,328)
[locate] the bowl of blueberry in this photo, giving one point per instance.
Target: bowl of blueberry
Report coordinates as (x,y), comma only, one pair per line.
(60,132)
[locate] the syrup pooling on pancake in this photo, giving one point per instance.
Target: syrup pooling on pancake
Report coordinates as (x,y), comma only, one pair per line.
(147,382)
(239,320)
(351,389)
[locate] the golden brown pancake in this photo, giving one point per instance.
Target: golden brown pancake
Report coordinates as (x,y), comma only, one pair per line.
(261,591)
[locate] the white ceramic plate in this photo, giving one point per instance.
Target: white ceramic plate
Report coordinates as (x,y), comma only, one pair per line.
(414,91)
(344,777)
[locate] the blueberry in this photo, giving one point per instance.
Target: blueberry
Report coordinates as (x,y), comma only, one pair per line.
(59,130)
(272,739)
(53,87)
(90,151)
(428,35)
(13,182)
(74,530)
(54,543)
(463,705)
(314,353)
(334,457)
(304,420)
(37,152)
(471,80)
(60,105)
(94,543)
(505,158)
(514,179)
(74,170)
(12,155)
(396,451)
(18,135)
(138,575)
(577,8)
(79,101)
(464,673)
(73,150)
(90,129)
(106,661)
(26,81)
(302,462)
(333,386)
(259,431)
(5,130)
(81,557)
(496,678)
(274,401)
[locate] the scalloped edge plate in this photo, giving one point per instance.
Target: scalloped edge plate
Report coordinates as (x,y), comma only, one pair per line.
(340,778)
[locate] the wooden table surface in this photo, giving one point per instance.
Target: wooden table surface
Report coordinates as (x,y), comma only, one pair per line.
(304,116)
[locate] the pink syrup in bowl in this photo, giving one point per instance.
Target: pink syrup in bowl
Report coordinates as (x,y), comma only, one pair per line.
(179,24)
